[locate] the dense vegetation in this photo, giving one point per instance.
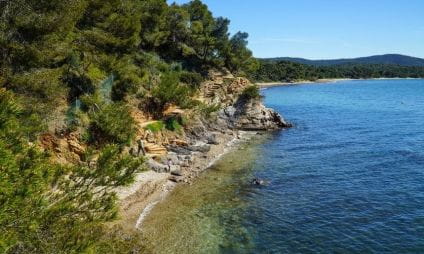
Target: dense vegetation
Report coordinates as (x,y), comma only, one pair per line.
(51,208)
(285,71)
(80,66)
(394,59)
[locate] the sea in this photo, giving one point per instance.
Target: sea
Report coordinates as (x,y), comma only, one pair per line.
(347,178)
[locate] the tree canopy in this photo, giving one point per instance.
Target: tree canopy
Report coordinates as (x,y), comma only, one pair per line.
(75,66)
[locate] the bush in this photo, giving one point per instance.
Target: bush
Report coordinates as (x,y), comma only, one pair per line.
(78,85)
(128,77)
(251,92)
(155,127)
(49,208)
(15,122)
(207,110)
(42,90)
(173,124)
(169,90)
(193,79)
(112,124)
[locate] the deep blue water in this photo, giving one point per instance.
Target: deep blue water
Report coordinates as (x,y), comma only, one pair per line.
(349,177)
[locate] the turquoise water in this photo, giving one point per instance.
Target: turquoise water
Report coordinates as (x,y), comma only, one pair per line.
(348,178)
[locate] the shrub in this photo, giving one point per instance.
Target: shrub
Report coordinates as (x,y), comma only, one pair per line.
(173,124)
(15,122)
(169,90)
(251,92)
(128,78)
(42,90)
(78,85)
(155,127)
(44,84)
(207,110)
(48,208)
(193,79)
(112,124)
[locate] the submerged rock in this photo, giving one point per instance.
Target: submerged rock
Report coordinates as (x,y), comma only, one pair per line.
(257,181)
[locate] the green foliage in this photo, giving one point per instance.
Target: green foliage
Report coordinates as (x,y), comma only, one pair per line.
(170,123)
(238,57)
(207,110)
(156,126)
(77,63)
(129,77)
(47,208)
(112,124)
(49,45)
(173,124)
(251,92)
(285,71)
(79,84)
(12,129)
(191,78)
(171,91)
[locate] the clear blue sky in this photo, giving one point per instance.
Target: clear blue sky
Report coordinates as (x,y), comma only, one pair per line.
(322,29)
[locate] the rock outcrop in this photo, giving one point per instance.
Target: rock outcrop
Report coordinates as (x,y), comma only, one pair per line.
(252,115)
(179,154)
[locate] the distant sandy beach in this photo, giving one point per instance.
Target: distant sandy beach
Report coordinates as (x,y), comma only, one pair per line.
(271,84)
(318,81)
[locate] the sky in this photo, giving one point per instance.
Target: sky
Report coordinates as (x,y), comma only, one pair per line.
(326,29)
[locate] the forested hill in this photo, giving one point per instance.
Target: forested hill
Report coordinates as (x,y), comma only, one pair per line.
(73,76)
(287,71)
(394,59)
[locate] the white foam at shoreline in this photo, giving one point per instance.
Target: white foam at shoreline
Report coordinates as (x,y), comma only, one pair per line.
(144,213)
(230,144)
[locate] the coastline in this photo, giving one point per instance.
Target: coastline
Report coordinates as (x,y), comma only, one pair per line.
(318,81)
(183,158)
(299,82)
(150,187)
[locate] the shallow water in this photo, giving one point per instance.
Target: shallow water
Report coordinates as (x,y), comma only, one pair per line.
(348,178)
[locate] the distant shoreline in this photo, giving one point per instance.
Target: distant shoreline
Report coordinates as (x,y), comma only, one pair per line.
(318,81)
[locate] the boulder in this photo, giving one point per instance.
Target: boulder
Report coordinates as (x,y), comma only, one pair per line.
(211,139)
(175,179)
(200,147)
(253,115)
(176,170)
(157,167)
(179,150)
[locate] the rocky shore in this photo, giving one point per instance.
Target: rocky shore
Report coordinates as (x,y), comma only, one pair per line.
(181,159)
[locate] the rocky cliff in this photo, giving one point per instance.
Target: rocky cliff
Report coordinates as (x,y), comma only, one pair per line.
(176,152)
(178,155)
(237,112)
(175,157)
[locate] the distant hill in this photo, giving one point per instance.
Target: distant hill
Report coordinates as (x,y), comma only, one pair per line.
(379,59)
